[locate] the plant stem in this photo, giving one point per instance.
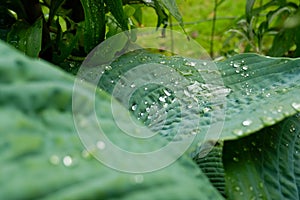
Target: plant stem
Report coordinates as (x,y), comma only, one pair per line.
(213,30)
(171,33)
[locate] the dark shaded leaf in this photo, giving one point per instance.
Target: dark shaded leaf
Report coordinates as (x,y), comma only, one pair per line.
(26,37)
(265,165)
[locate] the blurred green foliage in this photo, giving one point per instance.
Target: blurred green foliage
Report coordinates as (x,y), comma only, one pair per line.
(64,31)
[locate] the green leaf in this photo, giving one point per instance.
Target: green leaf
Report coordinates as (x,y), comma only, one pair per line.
(212,167)
(42,156)
(265,165)
(249,8)
(94,15)
(129,11)
(171,6)
(54,7)
(261,91)
(282,42)
(116,9)
(27,38)
(162,17)
(138,14)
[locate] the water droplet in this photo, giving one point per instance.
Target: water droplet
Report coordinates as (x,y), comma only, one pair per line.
(238,132)
(138,179)
(279,109)
(162,99)
(186,93)
(204,63)
(247,122)
(162,62)
(145,88)
(193,64)
(67,160)
(245,67)
(236,65)
(54,159)
(132,85)
(267,120)
(133,107)
(237,188)
(251,188)
(206,110)
(100,145)
(167,93)
(108,67)
(296,106)
(147,109)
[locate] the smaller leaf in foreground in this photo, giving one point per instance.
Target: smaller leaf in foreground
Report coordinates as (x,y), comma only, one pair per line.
(265,165)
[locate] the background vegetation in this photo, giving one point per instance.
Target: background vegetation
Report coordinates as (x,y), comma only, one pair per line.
(63,31)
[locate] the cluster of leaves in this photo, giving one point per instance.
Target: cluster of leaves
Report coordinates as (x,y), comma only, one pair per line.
(270,28)
(64,31)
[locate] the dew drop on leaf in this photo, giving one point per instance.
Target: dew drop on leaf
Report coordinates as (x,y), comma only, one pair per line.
(54,159)
(100,145)
(133,107)
(247,122)
(236,65)
(138,179)
(267,120)
(68,161)
(296,106)
(132,85)
(167,93)
(238,132)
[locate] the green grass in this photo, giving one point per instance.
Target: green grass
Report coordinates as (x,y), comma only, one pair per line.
(197,16)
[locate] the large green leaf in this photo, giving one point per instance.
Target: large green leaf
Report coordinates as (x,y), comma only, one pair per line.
(26,37)
(265,165)
(42,156)
(260,91)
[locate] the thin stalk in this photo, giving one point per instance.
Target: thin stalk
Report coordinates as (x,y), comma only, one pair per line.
(171,33)
(212,36)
